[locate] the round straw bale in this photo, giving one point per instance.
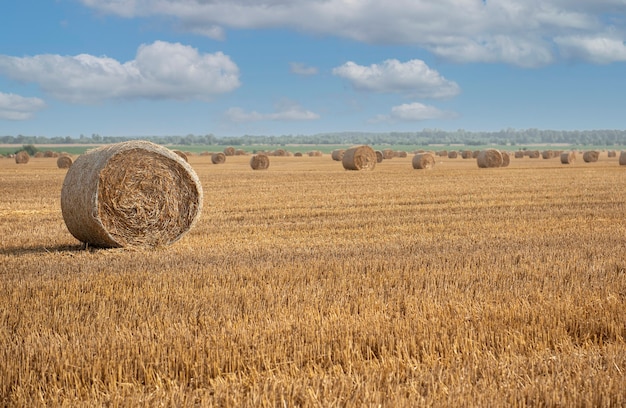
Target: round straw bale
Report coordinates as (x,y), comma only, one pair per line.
(379,156)
(400,153)
(591,156)
(133,193)
(359,158)
(489,158)
(229,151)
(622,158)
(453,154)
(534,154)
(387,154)
(519,154)
(182,154)
(22,157)
(259,161)
(337,154)
(218,158)
(64,162)
(568,157)
(280,153)
(38,155)
(612,153)
(49,154)
(466,154)
(424,161)
(506,159)
(547,154)
(297,154)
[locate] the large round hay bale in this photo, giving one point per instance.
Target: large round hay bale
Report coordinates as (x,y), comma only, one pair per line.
(229,151)
(568,157)
(64,162)
(181,154)
(133,193)
(22,157)
(622,158)
(591,156)
(423,161)
(359,158)
(218,158)
(506,159)
(489,158)
(259,161)
(337,154)
(379,156)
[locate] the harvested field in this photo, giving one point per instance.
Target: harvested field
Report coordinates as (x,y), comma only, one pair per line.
(311,285)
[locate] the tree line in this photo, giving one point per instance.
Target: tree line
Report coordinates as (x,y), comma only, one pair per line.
(425,137)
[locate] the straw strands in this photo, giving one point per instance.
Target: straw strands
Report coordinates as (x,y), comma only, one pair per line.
(423,161)
(260,161)
(359,158)
(130,194)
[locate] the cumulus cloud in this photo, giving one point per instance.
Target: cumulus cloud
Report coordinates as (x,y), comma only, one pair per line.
(292,112)
(302,69)
(520,32)
(16,107)
(413,78)
(413,112)
(160,70)
(601,50)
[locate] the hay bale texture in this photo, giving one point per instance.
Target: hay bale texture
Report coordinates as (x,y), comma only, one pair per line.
(337,154)
(489,158)
(64,162)
(22,157)
(568,157)
(260,161)
(591,156)
(379,156)
(136,194)
(622,158)
(359,158)
(423,161)
(218,158)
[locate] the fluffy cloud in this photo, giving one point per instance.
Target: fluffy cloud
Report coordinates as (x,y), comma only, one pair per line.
(302,69)
(601,50)
(160,70)
(16,107)
(413,112)
(520,32)
(413,78)
(287,113)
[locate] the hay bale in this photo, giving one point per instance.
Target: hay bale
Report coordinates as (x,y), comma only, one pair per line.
(453,154)
(547,154)
(359,158)
(591,156)
(64,162)
(401,154)
(218,158)
(133,193)
(229,151)
(388,154)
(22,157)
(489,158)
(568,157)
(259,161)
(466,154)
(424,161)
(379,156)
(612,153)
(280,153)
(297,154)
(181,154)
(506,159)
(622,158)
(534,154)
(337,155)
(519,154)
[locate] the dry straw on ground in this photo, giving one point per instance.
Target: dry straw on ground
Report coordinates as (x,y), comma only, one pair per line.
(423,161)
(591,156)
(568,157)
(130,194)
(489,158)
(64,162)
(259,161)
(218,158)
(22,157)
(359,158)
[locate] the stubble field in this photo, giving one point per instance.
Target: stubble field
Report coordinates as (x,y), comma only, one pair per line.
(309,285)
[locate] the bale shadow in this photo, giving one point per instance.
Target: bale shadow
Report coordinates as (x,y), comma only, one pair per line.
(43,249)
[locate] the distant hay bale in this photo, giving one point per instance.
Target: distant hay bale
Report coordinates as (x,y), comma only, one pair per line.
(297,154)
(534,154)
(259,161)
(240,152)
(218,158)
(519,154)
(423,161)
(64,162)
(22,157)
(133,193)
(400,154)
(612,153)
(50,154)
(359,158)
(489,158)
(547,154)
(591,156)
(453,154)
(337,154)
(506,159)
(379,156)
(229,151)
(622,158)
(388,154)
(475,154)
(568,157)
(466,154)
(38,155)
(315,153)
(280,153)
(181,154)
(205,153)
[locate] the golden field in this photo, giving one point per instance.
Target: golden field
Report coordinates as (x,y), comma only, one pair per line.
(309,285)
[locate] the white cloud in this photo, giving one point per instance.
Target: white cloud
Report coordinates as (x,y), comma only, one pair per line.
(16,107)
(413,78)
(160,70)
(601,50)
(520,32)
(302,69)
(286,113)
(413,112)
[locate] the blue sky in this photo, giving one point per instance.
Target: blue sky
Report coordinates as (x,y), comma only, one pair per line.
(275,67)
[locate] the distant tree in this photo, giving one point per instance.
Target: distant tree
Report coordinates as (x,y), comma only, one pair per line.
(30,149)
